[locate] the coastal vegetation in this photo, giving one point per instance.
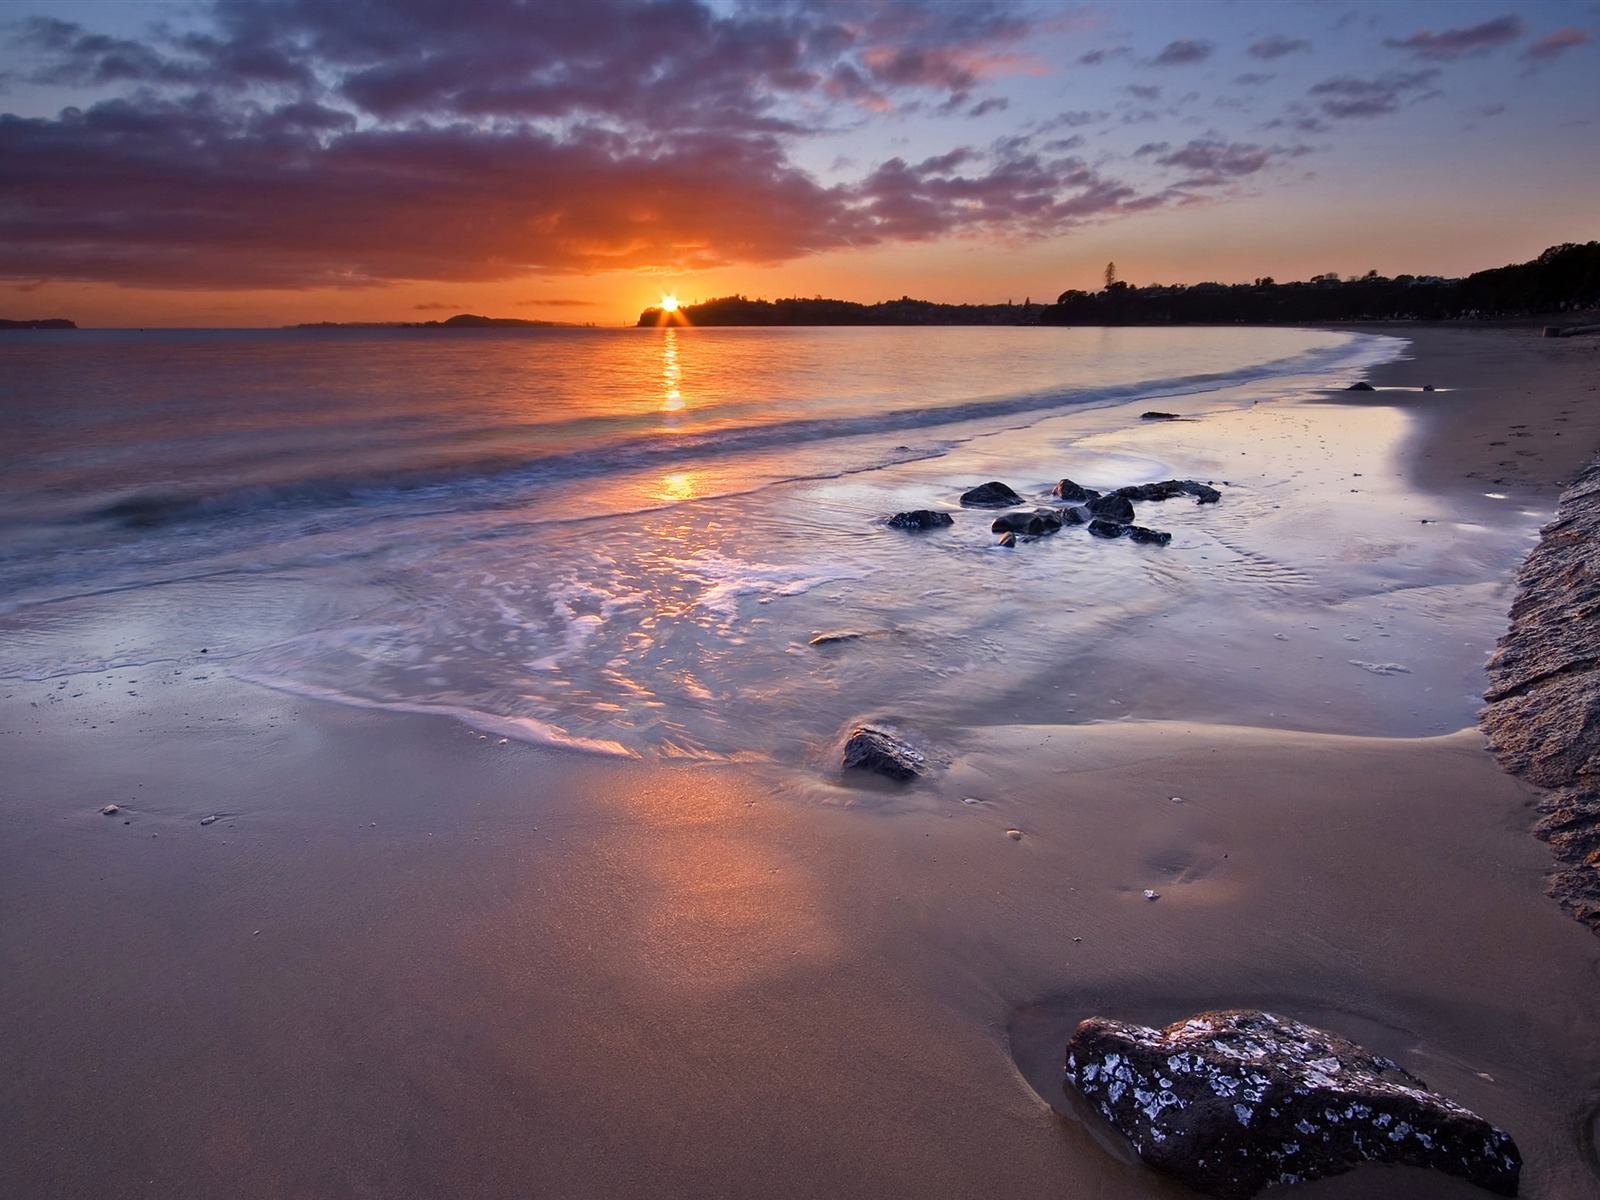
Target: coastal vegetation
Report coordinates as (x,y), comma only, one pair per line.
(1564,278)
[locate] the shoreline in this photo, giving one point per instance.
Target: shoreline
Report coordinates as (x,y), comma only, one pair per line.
(482,965)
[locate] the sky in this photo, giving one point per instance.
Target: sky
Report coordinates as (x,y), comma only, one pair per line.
(262,162)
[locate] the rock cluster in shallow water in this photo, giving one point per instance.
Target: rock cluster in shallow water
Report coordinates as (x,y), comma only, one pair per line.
(1232,1102)
(1543,717)
(1108,515)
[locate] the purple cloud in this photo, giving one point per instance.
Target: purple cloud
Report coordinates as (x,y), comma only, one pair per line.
(1553,45)
(1347,96)
(1277,46)
(298,143)
(1216,158)
(1013,195)
(1143,91)
(1182,53)
(1454,43)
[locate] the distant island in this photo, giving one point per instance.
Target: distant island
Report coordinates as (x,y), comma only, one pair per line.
(461,321)
(1564,278)
(47,323)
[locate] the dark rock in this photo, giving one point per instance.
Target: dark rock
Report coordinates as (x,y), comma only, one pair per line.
(1008,539)
(1148,537)
(1038,522)
(1232,1102)
(919,518)
(871,749)
(1075,516)
(1361,385)
(993,494)
(1167,489)
(1427,387)
(1074,492)
(1111,508)
(1158,416)
(1543,716)
(1107,529)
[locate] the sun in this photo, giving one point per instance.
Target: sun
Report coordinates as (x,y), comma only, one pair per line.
(669,304)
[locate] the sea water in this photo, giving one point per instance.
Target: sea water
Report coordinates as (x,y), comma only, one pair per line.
(626,541)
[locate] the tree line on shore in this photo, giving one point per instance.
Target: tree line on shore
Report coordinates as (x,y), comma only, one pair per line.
(1564,278)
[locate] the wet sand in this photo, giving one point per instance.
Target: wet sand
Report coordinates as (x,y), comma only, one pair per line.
(411,960)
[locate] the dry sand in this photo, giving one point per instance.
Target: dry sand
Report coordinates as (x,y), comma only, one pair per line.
(409,960)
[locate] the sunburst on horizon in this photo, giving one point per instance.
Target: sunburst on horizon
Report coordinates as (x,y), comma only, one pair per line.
(669,304)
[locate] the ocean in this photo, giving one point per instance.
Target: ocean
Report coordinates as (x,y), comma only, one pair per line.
(626,541)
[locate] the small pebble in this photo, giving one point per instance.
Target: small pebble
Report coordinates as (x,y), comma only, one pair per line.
(1178,800)
(208,820)
(970,800)
(1014,834)
(1282,637)
(111,810)
(1149,895)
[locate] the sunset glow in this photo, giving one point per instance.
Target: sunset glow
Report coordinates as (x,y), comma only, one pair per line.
(265,163)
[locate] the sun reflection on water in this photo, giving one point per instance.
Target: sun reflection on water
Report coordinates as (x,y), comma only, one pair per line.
(679,485)
(671,372)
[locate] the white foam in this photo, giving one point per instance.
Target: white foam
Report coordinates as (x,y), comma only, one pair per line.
(524,729)
(728,579)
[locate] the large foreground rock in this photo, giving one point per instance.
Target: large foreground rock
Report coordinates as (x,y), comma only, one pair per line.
(1543,718)
(871,749)
(1232,1102)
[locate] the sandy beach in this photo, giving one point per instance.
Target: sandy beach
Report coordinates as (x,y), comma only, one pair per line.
(410,959)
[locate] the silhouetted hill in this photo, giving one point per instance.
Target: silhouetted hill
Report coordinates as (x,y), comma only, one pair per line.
(739,310)
(460,321)
(1563,279)
(45,323)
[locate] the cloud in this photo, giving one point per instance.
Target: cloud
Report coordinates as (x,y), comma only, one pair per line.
(1182,53)
(1253,79)
(1073,119)
(1346,96)
(1143,91)
(1017,194)
(1277,46)
(1454,43)
(432,307)
(1553,45)
(557,303)
(1216,158)
(1094,58)
(294,143)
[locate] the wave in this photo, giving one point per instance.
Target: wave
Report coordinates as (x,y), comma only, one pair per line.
(490,483)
